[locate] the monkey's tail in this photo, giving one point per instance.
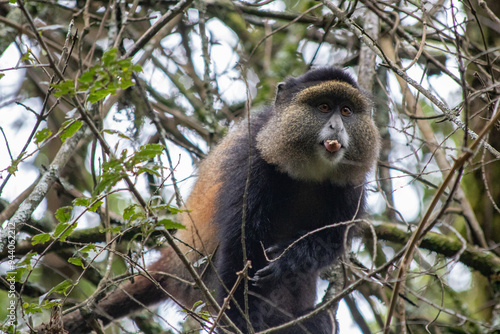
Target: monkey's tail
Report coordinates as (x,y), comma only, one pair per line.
(124,300)
(130,297)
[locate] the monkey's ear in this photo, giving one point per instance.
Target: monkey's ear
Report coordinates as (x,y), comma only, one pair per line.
(280,92)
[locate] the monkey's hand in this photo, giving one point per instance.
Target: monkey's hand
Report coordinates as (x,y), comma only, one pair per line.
(275,269)
(267,275)
(305,256)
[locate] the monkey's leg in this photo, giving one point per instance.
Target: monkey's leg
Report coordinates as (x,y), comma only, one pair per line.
(291,297)
(262,317)
(320,324)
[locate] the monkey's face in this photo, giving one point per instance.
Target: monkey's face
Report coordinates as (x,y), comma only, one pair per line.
(324,133)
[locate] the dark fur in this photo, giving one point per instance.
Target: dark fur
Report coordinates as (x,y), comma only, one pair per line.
(292,86)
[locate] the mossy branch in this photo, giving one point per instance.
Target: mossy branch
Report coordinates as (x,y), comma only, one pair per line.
(484,261)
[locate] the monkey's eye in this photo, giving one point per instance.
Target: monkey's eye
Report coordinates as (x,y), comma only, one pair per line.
(323,107)
(346,111)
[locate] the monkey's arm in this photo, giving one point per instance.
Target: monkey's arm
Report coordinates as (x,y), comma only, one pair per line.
(308,253)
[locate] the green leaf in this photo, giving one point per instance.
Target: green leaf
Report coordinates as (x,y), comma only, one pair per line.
(126,83)
(124,64)
(82,201)
(95,206)
(99,84)
(32,308)
(64,87)
(198,308)
(109,57)
(84,251)
(170,224)
(113,165)
(130,213)
(87,77)
(90,203)
(168,208)
(26,261)
(76,261)
(88,248)
(150,171)
(123,155)
(62,287)
(145,153)
(41,135)
(99,95)
(175,211)
(17,273)
(12,169)
(108,180)
(50,304)
(22,267)
(25,56)
(60,229)
(63,214)
(70,130)
(40,238)
(63,230)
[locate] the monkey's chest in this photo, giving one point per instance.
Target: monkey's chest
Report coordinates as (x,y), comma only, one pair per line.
(300,208)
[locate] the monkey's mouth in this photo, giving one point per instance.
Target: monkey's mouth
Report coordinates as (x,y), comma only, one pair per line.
(332,145)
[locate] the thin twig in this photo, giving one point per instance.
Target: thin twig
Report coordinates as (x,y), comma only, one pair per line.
(155,28)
